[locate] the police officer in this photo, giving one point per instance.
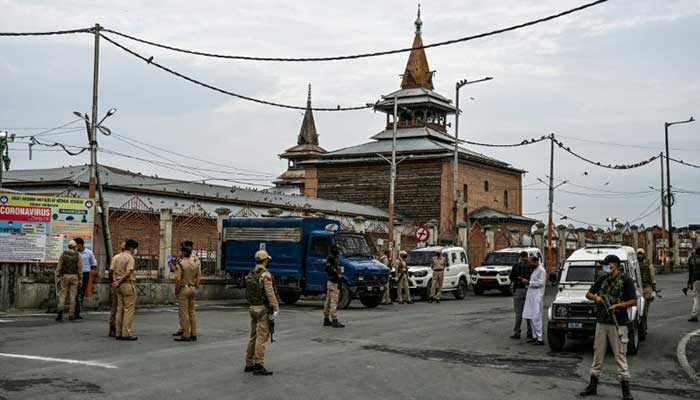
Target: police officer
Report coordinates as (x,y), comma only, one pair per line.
(334,274)
(618,291)
(260,292)
(386,260)
(401,268)
(187,280)
(648,279)
(123,280)
(519,277)
(438,267)
(172,263)
(694,283)
(69,272)
(114,300)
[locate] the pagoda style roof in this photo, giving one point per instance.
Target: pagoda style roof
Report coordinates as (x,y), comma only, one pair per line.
(486,213)
(307,141)
(421,131)
(415,97)
(417,73)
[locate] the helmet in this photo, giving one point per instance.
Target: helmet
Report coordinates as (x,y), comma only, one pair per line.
(262,255)
(640,250)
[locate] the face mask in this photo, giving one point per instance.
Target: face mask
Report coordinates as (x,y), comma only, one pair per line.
(136,251)
(606,269)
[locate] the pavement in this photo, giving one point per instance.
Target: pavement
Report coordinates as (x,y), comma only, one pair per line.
(455,349)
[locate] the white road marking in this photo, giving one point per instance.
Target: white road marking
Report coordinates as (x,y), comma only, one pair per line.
(6,320)
(60,360)
(683,359)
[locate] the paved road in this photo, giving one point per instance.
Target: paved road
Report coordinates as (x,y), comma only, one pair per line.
(456,349)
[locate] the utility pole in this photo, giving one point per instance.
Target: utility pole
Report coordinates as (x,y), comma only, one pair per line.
(392,183)
(551,203)
(663,216)
(5,139)
(92,133)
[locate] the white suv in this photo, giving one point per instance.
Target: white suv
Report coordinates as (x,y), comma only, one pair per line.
(572,315)
(494,273)
(420,275)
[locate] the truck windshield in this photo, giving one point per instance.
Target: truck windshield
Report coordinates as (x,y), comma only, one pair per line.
(420,258)
(353,245)
(584,272)
(501,258)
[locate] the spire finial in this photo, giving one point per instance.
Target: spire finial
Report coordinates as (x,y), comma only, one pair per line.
(418,22)
(308,97)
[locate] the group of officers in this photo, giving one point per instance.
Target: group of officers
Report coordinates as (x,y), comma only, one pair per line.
(399,269)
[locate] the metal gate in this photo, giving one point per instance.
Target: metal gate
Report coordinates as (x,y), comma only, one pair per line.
(477,245)
(196,225)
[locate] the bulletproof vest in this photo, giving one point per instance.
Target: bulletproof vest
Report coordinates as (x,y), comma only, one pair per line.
(644,270)
(69,262)
(695,262)
(254,288)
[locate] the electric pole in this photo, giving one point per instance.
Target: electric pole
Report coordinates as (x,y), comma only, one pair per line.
(5,139)
(663,216)
(392,179)
(92,133)
(551,203)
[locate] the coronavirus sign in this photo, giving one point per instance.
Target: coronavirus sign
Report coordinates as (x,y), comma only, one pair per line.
(36,228)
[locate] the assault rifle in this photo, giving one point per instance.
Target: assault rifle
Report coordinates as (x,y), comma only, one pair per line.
(611,313)
(272,330)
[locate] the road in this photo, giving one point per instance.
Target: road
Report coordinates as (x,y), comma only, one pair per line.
(456,349)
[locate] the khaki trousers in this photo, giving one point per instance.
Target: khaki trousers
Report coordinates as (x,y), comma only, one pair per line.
(647,292)
(404,292)
(185,305)
(436,289)
(69,289)
(114,300)
(330,309)
(696,299)
(126,304)
(604,334)
(259,335)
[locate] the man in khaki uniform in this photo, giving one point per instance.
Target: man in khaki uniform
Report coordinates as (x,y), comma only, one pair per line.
(260,292)
(172,263)
(187,280)
(438,267)
(122,270)
(114,300)
(648,279)
(385,259)
(403,291)
(69,271)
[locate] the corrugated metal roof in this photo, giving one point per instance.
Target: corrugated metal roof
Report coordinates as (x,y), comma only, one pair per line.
(114,179)
(415,96)
(401,133)
(490,213)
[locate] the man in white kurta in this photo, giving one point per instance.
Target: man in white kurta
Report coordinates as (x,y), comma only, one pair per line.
(533,300)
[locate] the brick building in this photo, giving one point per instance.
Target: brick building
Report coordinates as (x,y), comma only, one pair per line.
(424,183)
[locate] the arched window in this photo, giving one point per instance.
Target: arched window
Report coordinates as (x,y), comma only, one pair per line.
(486,186)
(505,199)
(465,194)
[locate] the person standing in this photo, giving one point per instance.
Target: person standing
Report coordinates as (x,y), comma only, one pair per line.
(618,291)
(172,263)
(403,291)
(89,267)
(187,280)
(519,275)
(438,267)
(122,269)
(260,292)
(648,280)
(114,299)
(533,300)
(334,278)
(69,272)
(694,283)
(386,260)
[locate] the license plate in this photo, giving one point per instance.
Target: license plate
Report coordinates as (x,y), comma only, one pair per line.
(575,325)
(488,280)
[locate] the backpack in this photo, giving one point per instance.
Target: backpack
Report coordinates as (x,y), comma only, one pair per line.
(254,289)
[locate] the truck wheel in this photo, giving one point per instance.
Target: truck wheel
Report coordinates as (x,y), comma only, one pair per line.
(633,335)
(290,298)
(425,293)
(478,290)
(556,340)
(370,301)
(461,292)
(643,328)
(344,298)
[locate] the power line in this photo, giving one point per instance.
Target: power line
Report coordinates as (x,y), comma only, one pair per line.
(46,131)
(604,143)
(524,142)
(363,55)
(599,164)
(227,92)
(683,162)
(49,33)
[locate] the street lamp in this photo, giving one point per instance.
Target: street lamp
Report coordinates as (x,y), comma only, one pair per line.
(5,138)
(612,221)
(669,194)
(455,167)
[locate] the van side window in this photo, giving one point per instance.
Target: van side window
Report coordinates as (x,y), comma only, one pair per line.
(320,247)
(454,258)
(462,257)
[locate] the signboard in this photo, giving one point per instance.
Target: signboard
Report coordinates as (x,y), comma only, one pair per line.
(37,228)
(422,234)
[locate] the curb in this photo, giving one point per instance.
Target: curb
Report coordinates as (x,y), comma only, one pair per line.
(683,360)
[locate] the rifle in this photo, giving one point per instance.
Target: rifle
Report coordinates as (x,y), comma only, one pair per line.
(611,313)
(272,329)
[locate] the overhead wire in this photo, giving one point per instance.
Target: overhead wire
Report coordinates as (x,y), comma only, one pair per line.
(49,33)
(362,55)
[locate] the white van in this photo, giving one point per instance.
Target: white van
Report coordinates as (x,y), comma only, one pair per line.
(420,275)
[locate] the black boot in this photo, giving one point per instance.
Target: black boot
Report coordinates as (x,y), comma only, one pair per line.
(249,368)
(592,388)
(260,370)
(337,324)
(327,322)
(626,395)
(59,317)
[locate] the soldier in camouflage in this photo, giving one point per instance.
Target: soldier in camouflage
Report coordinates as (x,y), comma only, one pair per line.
(646,268)
(694,283)
(403,291)
(260,292)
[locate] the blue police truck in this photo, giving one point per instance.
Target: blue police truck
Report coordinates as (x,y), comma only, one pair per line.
(299,248)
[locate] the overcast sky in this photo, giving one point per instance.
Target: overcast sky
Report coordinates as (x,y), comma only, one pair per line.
(613,73)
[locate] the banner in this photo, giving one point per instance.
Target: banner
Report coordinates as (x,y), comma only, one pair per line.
(37,228)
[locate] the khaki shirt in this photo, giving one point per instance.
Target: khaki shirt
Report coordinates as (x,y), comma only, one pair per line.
(400,266)
(122,264)
(269,288)
(188,271)
(384,260)
(438,263)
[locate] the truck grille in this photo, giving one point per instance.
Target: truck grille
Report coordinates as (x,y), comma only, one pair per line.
(375,279)
(582,311)
(487,273)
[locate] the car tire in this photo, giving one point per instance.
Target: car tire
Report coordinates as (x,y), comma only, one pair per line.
(478,290)
(345,297)
(633,336)
(425,293)
(461,291)
(556,340)
(290,297)
(370,301)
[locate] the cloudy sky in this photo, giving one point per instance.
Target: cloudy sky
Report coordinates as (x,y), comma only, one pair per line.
(612,74)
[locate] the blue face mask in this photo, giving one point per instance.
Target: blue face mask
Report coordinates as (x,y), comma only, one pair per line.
(606,269)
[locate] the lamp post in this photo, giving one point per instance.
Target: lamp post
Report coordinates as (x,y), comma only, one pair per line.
(92,128)
(669,194)
(455,167)
(612,221)
(5,139)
